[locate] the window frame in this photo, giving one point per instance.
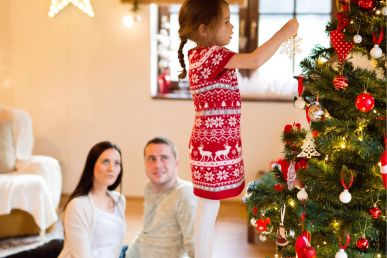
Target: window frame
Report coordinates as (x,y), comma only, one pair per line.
(249,15)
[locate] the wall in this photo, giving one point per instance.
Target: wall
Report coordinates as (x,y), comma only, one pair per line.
(84,80)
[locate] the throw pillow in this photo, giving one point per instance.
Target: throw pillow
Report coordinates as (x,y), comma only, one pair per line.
(7,150)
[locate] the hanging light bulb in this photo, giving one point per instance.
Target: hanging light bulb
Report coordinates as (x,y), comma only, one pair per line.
(132,16)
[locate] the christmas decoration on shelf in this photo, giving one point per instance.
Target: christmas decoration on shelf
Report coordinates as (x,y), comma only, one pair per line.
(348,132)
(58,5)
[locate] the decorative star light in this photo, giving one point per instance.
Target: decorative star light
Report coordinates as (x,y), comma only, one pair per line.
(57,5)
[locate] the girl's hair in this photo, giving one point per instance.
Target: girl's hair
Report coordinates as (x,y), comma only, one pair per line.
(85,183)
(192,14)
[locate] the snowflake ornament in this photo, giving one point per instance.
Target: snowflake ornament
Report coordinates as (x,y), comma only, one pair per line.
(291,47)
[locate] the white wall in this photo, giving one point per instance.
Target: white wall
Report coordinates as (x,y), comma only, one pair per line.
(85,79)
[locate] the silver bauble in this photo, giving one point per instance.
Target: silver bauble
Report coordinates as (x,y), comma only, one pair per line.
(315,112)
(357,39)
(376,52)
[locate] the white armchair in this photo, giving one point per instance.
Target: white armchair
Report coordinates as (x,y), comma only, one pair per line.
(30,185)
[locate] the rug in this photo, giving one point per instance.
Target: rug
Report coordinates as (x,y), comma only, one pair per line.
(9,246)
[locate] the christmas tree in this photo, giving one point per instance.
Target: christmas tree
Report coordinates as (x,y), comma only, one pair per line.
(327,196)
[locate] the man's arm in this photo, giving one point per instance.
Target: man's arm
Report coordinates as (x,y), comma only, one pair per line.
(186,207)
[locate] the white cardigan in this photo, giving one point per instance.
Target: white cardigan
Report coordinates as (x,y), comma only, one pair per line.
(79,225)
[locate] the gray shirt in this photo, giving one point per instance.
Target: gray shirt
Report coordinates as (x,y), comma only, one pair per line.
(168,224)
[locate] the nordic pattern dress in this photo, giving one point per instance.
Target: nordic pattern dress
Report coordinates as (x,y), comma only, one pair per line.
(215,145)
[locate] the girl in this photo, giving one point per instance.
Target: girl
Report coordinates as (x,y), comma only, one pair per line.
(94,219)
(215,144)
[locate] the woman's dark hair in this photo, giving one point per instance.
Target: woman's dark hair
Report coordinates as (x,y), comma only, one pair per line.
(85,183)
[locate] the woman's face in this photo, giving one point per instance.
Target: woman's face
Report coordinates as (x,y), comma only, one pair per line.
(107,168)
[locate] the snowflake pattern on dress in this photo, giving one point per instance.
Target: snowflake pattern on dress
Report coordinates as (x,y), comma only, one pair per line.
(215,144)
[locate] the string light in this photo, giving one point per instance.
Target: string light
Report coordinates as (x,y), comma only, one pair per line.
(292,203)
(326,157)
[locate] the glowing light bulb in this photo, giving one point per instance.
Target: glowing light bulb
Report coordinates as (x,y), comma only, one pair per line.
(292,203)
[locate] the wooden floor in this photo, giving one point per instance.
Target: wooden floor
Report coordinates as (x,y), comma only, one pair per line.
(230,232)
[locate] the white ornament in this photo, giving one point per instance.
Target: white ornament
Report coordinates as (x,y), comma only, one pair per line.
(291,47)
(376,52)
(357,39)
(253,222)
(302,195)
(291,175)
(308,148)
(345,196)
(384,11)
(263,237)
(299,103)
(341,254)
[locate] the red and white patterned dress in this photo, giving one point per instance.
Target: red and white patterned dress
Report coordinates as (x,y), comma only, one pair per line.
(215,144)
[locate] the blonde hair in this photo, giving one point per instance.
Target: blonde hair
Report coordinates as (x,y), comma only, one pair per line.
(192,14)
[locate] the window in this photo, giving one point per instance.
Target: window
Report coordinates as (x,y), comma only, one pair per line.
(254,23)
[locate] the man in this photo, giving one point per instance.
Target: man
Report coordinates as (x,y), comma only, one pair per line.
(169,207)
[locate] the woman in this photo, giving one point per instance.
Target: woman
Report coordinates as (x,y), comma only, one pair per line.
(94,217)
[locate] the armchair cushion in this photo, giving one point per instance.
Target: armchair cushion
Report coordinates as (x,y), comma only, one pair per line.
(7,150)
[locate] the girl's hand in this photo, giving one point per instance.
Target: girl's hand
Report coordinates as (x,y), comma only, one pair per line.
(290,28)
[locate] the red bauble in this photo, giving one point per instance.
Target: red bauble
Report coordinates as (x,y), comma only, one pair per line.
(262,224)
(340,82)
(365,102)
(302,241)
(301,164)
(288,128)
(284,166)
(383,168)
(366,5)
(278,187)
(375,212)
(309,252)
(254,211)
(362,243)
(314,133)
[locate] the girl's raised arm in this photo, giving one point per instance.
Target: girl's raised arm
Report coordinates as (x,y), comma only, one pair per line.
(264,52)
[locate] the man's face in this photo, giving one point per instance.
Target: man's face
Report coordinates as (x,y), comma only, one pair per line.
(160,166)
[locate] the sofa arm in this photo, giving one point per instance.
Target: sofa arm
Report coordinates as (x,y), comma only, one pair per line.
(48,168)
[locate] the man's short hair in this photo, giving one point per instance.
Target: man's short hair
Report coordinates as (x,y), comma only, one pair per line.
(162,140)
